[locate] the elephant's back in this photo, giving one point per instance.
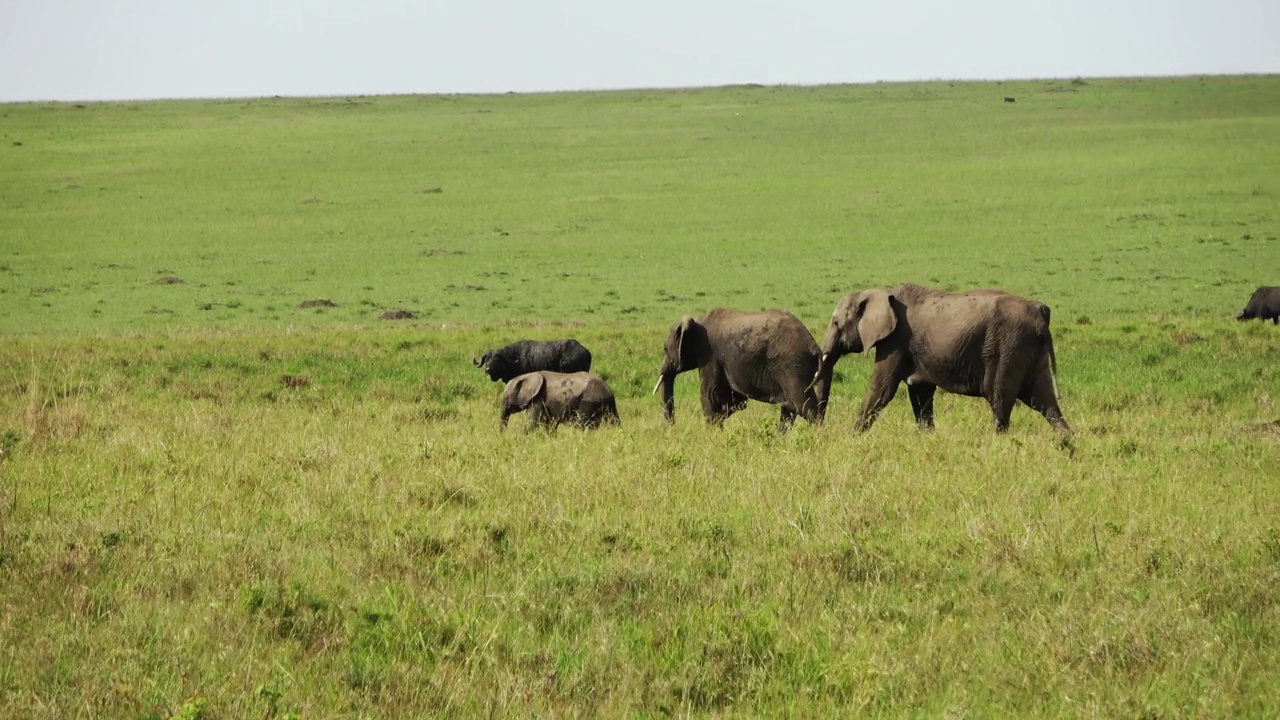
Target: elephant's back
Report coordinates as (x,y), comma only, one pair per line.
(759,329)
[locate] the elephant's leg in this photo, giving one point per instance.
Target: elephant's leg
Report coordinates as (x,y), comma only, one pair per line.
(714,387)
(1005,380)
(822,394)
(787,418)
(884,385)
(610,414)
(1002,409)
(875,402)
(921,395)
(719,399)
(1004,395)
(803,401)
(1042,396)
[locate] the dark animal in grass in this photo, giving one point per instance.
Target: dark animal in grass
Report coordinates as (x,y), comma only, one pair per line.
(526,356)
(552,398)
(764,356)
(983,343)
(1264,305)
(1009,99)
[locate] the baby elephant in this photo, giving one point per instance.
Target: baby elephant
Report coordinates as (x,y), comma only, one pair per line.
(551,398)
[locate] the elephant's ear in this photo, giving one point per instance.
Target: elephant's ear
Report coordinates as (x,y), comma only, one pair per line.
(684,350)
(680,340)
(528,387)
(877,320)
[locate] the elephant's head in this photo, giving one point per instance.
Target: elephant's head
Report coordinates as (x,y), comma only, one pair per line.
(687,347)
(859,322)
(520,393)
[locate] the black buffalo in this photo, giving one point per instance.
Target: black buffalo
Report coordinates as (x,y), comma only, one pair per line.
(1265,304)
(526,356)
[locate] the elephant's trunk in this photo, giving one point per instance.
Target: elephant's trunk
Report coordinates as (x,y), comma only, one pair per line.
(831,343)
(830,352)
(668,384)
(822,381)
(827,359)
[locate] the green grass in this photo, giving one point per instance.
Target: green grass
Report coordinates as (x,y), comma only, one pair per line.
(255,510)
(1110,197)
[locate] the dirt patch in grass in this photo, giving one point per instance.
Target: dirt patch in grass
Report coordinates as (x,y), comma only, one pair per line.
(1268,428)
(170,280)
(317,303)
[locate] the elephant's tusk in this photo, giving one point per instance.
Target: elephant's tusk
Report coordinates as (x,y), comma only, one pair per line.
(818,373)
(655,387)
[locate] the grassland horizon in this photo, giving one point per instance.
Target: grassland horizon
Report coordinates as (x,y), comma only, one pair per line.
(215,502)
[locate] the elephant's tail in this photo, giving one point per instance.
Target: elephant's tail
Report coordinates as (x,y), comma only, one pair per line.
(1053,364)
(1048,346)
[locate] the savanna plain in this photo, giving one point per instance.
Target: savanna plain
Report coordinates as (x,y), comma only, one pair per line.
(215,503)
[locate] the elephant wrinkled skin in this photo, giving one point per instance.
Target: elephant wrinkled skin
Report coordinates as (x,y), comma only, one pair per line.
(983,343)
(767,356)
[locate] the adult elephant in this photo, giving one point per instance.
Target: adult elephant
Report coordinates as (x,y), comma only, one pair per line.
(765,356)
(983,343)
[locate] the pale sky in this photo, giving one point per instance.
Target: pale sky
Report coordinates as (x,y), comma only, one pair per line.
(137,49)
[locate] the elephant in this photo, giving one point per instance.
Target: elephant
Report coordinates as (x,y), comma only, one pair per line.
(1264,305)
(580,398)
(765,356)
(526,356)
(982,343)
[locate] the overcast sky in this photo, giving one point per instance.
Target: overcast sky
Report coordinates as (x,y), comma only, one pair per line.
(130,49)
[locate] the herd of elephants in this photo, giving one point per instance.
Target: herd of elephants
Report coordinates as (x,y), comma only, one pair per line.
(982,343)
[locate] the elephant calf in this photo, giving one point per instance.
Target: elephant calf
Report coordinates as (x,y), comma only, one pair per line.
(580,398)
(526,356)
(764,356)
(1264,305)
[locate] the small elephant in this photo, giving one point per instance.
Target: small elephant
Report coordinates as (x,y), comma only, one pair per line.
(1264,305)
(983,343)
(766,356)
(526,356)
(580,398)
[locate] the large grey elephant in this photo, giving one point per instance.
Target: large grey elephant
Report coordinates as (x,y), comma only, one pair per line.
(580,398)
(983,343)
(765,356)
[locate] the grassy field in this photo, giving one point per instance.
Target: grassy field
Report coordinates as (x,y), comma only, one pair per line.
(216,504)
(1117,197)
